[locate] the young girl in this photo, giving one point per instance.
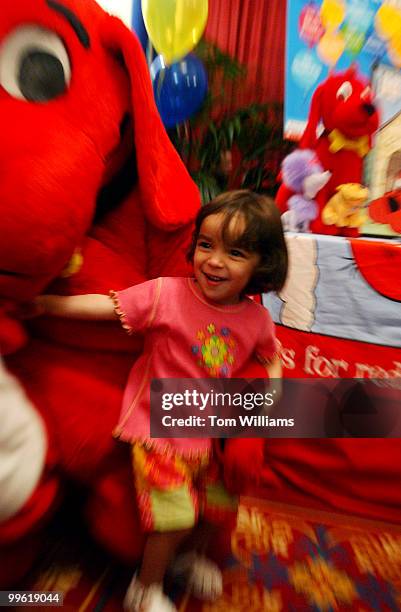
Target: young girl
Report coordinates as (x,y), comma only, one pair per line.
(197,327)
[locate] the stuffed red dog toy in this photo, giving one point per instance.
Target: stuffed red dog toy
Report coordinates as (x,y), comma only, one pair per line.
(343,104)
(387,208)
(92,196)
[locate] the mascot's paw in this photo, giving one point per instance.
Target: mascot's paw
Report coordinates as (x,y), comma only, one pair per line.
(243,463)
(112,512)
(23,446)
(12,334)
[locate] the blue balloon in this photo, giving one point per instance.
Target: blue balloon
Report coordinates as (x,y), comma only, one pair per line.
(138,24)
(306,69)
(179,89)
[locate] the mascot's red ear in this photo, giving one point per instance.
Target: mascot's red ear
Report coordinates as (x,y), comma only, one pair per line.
(169,196)
(309,138)
(352,71)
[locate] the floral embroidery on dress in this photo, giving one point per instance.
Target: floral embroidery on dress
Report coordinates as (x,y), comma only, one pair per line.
(215,350)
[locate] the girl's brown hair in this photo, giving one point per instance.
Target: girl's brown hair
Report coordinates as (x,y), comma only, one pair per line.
(263,234)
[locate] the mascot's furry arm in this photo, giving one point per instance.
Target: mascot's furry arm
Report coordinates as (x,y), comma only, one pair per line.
(88,175)
(244,458)
(243,462)
(22,436)
(22,446)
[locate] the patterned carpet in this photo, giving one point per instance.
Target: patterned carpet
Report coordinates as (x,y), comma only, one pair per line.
(279,558)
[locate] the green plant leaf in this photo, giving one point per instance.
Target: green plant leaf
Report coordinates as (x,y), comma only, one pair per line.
(254,130)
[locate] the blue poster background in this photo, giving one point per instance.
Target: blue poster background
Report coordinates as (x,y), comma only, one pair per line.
(305,68)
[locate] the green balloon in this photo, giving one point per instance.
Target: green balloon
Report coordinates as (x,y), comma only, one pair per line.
(354,39)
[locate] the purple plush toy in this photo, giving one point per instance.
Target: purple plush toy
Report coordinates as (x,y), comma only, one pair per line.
(302,173)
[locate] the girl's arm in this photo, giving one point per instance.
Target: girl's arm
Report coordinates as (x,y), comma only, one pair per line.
(90,306)
(275,372)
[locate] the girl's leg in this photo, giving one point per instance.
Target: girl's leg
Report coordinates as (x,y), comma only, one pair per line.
(166,510)
(202,575)
(199,538)
(145,592)
(161,508)
(160,548)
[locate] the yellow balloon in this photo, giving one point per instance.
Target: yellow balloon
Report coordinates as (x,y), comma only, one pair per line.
(394,51)
(174,26)
(332,13)
(388,22)
(330,48)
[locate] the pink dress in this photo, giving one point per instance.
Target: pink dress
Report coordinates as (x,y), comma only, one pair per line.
(186,336)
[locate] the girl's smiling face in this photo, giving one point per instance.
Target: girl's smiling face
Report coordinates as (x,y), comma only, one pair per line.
(221,269)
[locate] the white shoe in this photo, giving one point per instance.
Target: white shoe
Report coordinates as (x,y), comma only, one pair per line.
(202,575)
(140,598)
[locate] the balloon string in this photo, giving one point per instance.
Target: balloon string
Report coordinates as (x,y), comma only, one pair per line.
(149,52)
(160,81)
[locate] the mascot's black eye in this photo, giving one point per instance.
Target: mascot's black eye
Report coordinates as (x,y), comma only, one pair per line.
(34,64)
(41,77)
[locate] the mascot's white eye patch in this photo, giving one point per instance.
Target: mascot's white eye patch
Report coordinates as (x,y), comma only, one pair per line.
(345,91)
(34,64)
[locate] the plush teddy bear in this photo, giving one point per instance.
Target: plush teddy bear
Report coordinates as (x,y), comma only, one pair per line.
(93,197)
(346,207)
(302,173)
(341,122)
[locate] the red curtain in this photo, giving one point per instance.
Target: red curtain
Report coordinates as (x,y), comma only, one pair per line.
(253,31)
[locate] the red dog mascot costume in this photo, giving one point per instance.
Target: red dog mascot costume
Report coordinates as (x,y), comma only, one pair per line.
(343,103)
(88,176)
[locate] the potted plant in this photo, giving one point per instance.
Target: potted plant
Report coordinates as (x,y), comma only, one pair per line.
(223,149)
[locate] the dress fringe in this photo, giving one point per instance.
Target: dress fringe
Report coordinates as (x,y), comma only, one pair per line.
(167,449)
(121,315)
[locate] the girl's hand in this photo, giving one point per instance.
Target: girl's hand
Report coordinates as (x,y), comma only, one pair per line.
(275,371)
(26,310)
(55,305)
